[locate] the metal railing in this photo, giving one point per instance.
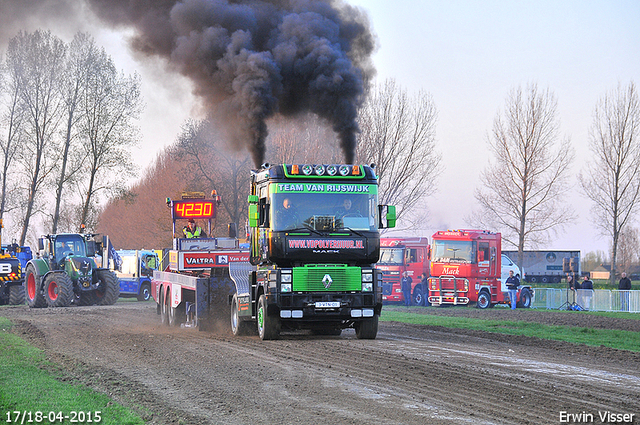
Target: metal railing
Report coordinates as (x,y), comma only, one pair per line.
(588,299)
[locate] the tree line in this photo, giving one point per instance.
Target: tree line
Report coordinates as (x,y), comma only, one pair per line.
(523,189)
(67,125)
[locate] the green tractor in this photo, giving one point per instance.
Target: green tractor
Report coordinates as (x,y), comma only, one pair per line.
(66,272)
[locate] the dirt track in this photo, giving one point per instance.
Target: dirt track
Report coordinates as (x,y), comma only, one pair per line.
(408,375)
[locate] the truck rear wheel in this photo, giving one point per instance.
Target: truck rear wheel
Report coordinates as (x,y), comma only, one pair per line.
(108,289)
(418,296)
(16,295)
(35,299)
(175,315)
(484,300)
(268,327)
(525,298)
(367,329)
(164,308)
(58,290)
(239,327)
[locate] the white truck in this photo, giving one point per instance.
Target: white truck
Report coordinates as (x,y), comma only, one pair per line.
(544,266)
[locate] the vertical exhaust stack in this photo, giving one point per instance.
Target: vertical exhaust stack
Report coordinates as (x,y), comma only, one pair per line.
(250,60)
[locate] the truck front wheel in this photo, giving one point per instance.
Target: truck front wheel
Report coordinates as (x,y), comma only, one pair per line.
(268,327)
(145,292)
(367,329)
(484,300)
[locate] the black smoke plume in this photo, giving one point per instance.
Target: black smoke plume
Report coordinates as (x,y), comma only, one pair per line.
(253,59)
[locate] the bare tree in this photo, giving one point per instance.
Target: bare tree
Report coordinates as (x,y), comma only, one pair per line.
(628,251)
(212,166)
(110,103)
(37,60)
(81,50)
(13,116)
(521,192)
(398,135)
(614,180)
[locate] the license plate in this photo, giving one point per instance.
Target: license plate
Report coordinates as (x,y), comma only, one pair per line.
(328,304)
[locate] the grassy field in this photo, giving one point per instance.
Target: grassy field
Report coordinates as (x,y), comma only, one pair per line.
(623,340)
(27,387)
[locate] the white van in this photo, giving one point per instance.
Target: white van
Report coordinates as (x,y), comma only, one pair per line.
(508,264)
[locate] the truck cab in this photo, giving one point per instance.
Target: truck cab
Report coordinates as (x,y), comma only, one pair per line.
(398,255)
(314,242)
(136,272)
(466,268)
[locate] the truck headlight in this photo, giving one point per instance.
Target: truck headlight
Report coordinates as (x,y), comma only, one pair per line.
(367,286)
(285,278)
(285,287)
(367,277)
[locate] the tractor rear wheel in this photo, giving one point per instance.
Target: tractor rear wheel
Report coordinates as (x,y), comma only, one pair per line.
(16,295)
(58,290)
(35,299)
(108,289)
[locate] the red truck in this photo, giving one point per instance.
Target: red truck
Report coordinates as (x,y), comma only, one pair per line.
(398,255)
(466,268)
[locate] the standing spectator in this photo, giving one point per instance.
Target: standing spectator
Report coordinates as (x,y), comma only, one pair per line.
(512,283)
(405,284)
(424,283)
(587,292)
(573,286)
(624,286)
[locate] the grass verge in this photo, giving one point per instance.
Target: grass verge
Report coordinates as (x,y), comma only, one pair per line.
(26,387)
(622,340)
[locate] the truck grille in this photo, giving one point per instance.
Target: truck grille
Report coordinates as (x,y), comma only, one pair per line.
(323,278)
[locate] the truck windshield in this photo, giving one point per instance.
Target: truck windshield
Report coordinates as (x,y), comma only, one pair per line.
(391,256)
(453,252)
(324,211)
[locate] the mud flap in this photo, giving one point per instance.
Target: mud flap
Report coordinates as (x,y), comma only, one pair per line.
(212,303)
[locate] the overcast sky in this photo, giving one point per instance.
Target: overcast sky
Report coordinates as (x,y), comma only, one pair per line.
(468,55)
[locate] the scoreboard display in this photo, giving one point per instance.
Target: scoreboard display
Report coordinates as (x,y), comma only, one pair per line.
(196,209)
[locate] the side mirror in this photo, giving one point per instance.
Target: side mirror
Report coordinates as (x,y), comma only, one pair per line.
(40,244)
(91,248)
(389,216)
(253,215)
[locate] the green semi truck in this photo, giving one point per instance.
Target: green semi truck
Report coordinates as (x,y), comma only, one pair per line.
(314,243)
(314,239)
